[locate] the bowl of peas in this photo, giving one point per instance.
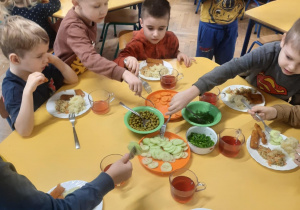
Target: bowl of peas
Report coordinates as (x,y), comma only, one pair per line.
(134,123)
(202,140)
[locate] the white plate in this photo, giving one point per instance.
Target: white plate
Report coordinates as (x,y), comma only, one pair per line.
(50,106)
(144,63)
(290,164)
(76,183)
(226,101)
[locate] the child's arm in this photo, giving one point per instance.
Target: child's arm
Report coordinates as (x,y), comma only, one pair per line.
(181,99)
(25,121)
(134,83)
(49,7)
(70,77)
(187,60)
(266,113)
(132,64)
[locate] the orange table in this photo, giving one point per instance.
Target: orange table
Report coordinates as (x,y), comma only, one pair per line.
(66,5)
(49,156)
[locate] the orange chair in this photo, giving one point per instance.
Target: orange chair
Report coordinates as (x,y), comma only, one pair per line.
(4,114)
(124,37)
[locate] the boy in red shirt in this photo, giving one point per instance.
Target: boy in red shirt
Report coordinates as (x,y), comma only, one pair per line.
(153,40)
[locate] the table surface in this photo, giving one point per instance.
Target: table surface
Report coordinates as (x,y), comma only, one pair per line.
(66,5)
(49,156)
(279,15)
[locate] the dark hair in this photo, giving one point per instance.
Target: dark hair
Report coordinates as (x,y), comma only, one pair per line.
(156,8)
(293,35)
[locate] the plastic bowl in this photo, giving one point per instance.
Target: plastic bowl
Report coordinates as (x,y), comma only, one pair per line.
(140,109)
(202,106)
(203,130)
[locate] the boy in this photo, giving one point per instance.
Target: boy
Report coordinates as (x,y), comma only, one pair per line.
(30,80)
(281,112)
(273,68)
(153,40)
(76,38)
(17,192)
(218,29)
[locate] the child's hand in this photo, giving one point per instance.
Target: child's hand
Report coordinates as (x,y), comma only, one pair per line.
(135,84)
(187,60)
(121,170)
(132,65)
(52,58)
(181,99)
(34,80)
(266,113)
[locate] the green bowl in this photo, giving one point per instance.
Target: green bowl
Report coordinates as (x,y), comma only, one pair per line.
(140,109)
(201,106)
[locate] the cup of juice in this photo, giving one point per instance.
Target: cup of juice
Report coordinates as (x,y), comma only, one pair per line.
(100,100)
(169,80)
(211,97)
(184,183)
(107,161)
(231,141)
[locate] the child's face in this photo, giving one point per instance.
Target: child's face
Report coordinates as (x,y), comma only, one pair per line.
(92,10)
(35,60)
(154,28)
(289,59)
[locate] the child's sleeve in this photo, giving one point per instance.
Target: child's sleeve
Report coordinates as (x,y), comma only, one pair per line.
(132,49)
(288,114)
(51,7)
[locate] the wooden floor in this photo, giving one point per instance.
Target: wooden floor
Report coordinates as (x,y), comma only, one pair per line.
(184,23)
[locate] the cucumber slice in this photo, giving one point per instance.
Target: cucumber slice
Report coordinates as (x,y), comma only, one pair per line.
(166,167)
(138,149)
(147,161)
(145,147)
(178,156)
(144,154)
(170,149)
(152,165)
(177,150)
(177,141)
(184,155)
(163,143)
(168,144)
(154,147)
(183,144)
(165,156)
(185,148)
(146,141)
(155,141)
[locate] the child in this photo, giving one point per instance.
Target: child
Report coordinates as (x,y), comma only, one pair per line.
(281,112)
(218,29)
(17,192)
(153,40)
(273,68)
(76,38)
(31,79)
(37,12)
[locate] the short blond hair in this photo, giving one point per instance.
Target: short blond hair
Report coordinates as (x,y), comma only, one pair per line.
(19,35)
(293,36)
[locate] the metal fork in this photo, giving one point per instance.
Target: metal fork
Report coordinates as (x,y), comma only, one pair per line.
(72,120)
(146,86)
(267,128)
(163,128)
(144,121)
(148,100)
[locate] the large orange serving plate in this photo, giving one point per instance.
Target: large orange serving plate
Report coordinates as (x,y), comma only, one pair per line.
(161,99)
(179,163)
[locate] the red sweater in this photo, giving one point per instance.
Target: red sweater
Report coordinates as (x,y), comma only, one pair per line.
(76,39)
(140,48)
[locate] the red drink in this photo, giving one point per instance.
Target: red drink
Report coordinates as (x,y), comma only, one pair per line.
(209,97)
(229,146)
(107,167)
(183,189)
(168,81)
(100,107)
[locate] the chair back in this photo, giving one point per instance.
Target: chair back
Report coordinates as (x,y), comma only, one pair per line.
(124,37)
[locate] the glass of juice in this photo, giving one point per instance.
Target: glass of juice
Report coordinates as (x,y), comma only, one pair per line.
(169,80)
(100,100)
(107,161)
(231,141)
(184,183)
(211,97)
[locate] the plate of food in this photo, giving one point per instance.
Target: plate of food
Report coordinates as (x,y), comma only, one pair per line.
(232,95)
(63,189)
(161,100)
(272,151)
(164,155)
(149,69)
(64,102)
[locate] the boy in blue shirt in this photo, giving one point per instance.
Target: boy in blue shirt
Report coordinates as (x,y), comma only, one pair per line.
(34,75)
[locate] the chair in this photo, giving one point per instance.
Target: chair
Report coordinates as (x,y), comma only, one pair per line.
(119,17)
(198,5)
(4,114)
(266,39)
(124,37)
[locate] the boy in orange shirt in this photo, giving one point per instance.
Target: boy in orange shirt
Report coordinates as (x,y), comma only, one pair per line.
(76,38)
(153,40)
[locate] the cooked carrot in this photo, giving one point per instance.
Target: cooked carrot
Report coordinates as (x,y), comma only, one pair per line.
(254,141)
(56,193)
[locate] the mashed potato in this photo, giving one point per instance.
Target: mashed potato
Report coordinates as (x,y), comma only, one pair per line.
(76,104)
(290,146)
(237,100)
(153,71)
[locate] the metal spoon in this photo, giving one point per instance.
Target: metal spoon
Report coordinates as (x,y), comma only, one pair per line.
(163,128)
(134,112)
(195,115)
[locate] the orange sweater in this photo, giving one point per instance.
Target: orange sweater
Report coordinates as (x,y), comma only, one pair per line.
(140,48)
